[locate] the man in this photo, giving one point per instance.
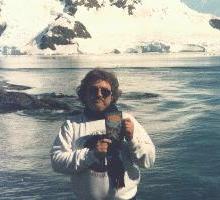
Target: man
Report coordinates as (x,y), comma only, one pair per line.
(101,167)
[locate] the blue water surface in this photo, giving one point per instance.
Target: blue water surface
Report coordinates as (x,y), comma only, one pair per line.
(179,106)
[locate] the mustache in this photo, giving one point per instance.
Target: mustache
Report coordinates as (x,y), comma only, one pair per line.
(97,98)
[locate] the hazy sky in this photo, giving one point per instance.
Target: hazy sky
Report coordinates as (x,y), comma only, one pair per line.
(208,6)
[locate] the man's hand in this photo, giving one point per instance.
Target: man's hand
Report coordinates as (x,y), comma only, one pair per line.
(128,128)
(101,147)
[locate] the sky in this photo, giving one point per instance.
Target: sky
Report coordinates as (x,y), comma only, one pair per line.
(207,6)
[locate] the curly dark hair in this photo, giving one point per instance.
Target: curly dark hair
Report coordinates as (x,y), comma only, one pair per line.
(95,75)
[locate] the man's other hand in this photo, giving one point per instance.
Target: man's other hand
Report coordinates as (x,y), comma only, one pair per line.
(101,147)
(128,128)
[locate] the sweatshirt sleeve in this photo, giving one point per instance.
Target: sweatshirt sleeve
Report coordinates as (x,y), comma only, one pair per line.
(65,158)
(141,147)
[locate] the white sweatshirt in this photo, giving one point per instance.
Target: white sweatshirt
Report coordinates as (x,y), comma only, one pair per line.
(69,156)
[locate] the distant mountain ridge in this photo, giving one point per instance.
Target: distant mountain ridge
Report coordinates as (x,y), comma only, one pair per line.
(106,26)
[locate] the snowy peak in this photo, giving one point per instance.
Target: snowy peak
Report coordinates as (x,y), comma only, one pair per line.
(103,26)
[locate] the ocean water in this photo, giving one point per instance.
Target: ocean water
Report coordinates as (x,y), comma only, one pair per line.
(176,99)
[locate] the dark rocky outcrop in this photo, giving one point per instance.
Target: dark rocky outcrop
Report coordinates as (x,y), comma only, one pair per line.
(4,85)
(115,51)
(11,101)
(124,4)
(90,4)
(2,28)
(119,3)
(70,6)
(14,101)
(215,23)
(80,30)
(59,35)
(139,95)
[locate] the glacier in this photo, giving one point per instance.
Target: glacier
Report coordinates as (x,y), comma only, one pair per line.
(66,27)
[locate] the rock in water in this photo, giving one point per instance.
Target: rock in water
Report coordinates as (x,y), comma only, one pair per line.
(12,101)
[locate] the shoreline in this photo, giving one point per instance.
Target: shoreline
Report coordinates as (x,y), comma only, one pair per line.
(149,54)
(85,61)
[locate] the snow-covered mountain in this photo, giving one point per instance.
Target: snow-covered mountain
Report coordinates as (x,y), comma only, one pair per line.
(105,26)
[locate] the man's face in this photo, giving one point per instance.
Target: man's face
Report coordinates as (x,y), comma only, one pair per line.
(99,96)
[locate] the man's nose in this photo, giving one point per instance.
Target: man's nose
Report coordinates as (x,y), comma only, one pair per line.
(99,92)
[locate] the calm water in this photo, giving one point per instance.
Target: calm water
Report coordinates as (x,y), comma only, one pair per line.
(183,121)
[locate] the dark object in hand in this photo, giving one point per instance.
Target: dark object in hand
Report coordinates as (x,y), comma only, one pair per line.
(113,124)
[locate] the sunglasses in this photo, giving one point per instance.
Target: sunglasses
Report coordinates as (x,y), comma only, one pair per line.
(93,91)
